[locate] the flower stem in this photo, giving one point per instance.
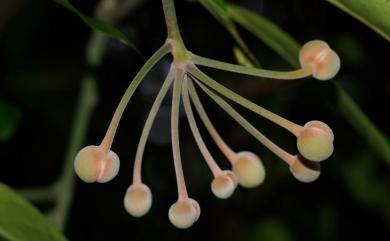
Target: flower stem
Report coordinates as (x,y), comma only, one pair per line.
(285,156)
(178,50)
(287,75)
(148,126)
(226,150)
(181,186)
(171,20)
(195,131)
(288,125)
(108,138)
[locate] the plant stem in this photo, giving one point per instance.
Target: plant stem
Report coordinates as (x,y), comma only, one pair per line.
(195,131)
(181,186)
(226,150)
(282,154)
(171,20)
(108,138)
(288,125)
(286,75)
(178,50)
(148,126)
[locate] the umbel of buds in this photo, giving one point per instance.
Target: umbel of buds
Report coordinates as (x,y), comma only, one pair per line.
(314,139)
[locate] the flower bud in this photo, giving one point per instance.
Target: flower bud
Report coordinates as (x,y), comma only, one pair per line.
(223,185)
(324,61)
(248,169)
(304,170)
(195,204)
(183,214)
(138,200)
(315,142)
(93,165)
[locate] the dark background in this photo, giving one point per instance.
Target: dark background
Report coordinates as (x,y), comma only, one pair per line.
(41,63)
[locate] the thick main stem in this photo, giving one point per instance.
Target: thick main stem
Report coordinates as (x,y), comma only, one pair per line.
(171,20)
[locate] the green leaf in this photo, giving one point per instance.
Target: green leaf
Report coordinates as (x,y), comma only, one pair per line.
(9,120)
(218,9)
(352,113)
(219,3)
(365,181)
(241,58)
(374,13)
(100,26)
(20,221)
(273,229)
(267,32)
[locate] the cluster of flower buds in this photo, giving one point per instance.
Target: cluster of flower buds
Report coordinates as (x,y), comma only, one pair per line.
(314,139)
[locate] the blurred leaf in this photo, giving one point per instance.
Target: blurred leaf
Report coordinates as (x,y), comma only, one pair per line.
(241,58)
(351,49)
(327,221)
(9,120)
(364,181)
(8,8)
(20,221)
(219,3)
(267,32)
(373,13)
(271,230)
(218,9)
(100,26)
(352,113)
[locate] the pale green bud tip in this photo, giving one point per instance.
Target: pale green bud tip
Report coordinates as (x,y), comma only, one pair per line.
(183,214)
(138,200)
(248,169)
(324,61)
(93,165)
(304,170)
(315,142)
(223,186)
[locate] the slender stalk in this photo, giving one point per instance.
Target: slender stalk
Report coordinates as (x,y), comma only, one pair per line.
(285,156)
(181,186)
(148,126)
(287,75)
(108,138)
(195,131)
(226,150)
(288,125)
